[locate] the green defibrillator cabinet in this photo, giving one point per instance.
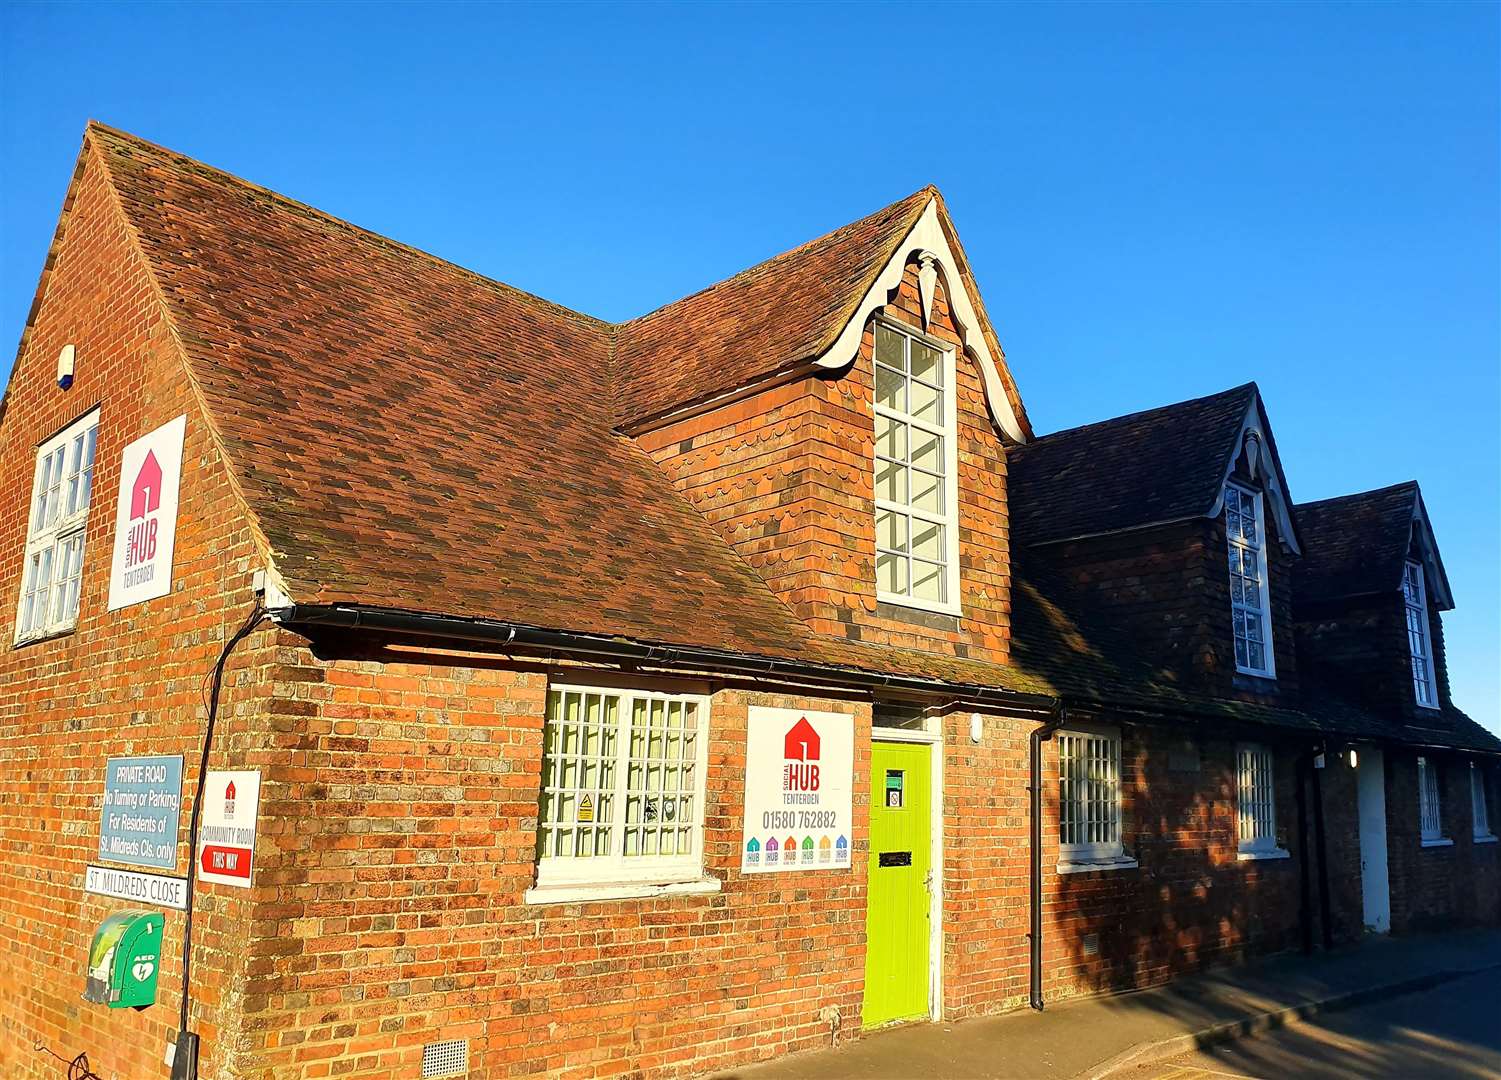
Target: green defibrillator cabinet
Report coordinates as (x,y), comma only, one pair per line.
(125,960)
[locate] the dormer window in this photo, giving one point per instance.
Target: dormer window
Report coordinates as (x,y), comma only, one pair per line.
(917,519)
(1250,604)
(1415,599)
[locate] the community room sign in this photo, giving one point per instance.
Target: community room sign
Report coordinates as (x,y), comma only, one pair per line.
(146,516)
(226,842)
(799,774)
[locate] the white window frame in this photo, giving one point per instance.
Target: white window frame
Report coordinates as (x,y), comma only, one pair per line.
(1430,806)
(1101,747)
(561,878)
(948,431)
(1419,635)
(1479,812)
(56,531)
(1237,545)
(1256,802)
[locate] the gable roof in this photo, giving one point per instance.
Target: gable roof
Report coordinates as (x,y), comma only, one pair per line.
(737,331)
(1357,545)
(413,437)
(1146,468)
(1083,652)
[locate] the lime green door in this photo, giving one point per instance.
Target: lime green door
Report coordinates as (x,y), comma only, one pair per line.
(897,908)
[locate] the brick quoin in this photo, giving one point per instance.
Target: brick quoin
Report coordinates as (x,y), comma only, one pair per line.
(400,777)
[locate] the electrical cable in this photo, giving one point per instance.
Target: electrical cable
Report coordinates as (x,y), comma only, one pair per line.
(257,615)
(78,1067)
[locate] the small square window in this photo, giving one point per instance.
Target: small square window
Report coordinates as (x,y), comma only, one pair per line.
(622,789)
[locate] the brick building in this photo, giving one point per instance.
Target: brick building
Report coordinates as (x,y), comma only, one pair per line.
(552,627)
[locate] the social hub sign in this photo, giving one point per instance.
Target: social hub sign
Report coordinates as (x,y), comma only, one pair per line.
(799,775)
(226,837)
(146,516)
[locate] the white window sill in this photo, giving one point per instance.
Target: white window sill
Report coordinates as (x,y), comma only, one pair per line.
(1271,676)
(44,635)
(1266,853)
(898,600)
(1084,866)
(582,894)
(1439,841)
(1483,838)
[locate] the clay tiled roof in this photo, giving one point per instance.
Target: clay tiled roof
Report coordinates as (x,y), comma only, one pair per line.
(775,315)
(1086,658)
(412,436)
(1155,466)
(1357,545)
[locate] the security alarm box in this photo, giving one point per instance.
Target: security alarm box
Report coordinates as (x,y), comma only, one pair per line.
(125,960)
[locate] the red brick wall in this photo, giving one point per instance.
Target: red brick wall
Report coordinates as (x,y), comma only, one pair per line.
(1434,888)
(1189,903)
(402,830)
(126,683)
(787,477)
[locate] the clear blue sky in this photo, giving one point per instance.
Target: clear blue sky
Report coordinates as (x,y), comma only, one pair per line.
(1159,202)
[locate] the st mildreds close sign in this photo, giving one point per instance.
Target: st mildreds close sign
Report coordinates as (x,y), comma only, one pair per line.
(142,806)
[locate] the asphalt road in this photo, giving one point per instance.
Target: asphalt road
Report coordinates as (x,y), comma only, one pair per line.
(1450,1032)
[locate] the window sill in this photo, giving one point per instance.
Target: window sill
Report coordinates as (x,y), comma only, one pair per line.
(582,894)
(50,635)
(1084,866)
(1438,841)
(1483,838)
(897,600)
(1267,853)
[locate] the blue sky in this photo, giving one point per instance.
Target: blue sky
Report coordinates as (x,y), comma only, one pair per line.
(1159,201)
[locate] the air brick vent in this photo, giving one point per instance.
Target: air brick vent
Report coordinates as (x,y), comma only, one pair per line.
(449,1058)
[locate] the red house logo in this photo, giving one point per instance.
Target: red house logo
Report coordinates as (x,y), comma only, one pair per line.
(802,742)
(145,499)
(229,800)
(801,748)
(146,492)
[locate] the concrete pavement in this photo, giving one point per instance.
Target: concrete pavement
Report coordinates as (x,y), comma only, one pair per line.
(1452,1032)
(1098,1036)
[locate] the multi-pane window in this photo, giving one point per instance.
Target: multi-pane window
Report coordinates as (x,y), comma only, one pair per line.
(52,572)
(1480,812)
(1249,605)
(1430,820)
(1415,600)
(1089,794)
(1256,798)
(916,519)
(622,787)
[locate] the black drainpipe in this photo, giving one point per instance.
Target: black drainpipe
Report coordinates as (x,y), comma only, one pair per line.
(1318,830)
(1039,734)
(1305,906)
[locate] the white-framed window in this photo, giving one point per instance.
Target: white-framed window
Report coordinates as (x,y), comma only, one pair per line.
(52,572)
(1256,798)
(916,468)
(1480,812)
(1089,796)
(1430,818)
(1250,600)
(622,793)
(1415,601)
